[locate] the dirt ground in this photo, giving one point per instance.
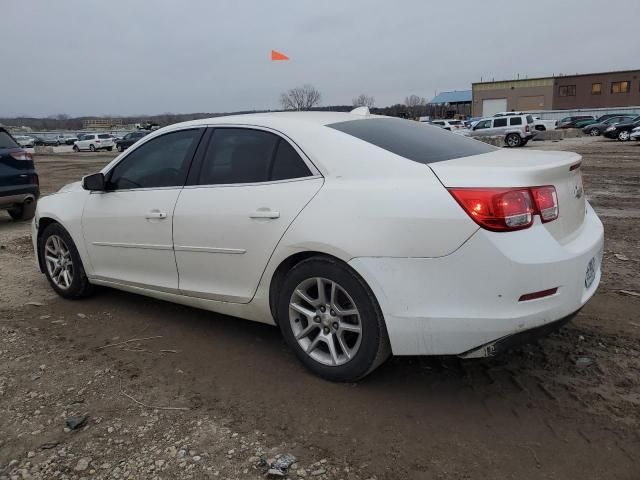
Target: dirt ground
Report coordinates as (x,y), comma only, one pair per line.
(198,395)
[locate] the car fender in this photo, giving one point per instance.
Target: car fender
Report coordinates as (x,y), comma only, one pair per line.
(65,208)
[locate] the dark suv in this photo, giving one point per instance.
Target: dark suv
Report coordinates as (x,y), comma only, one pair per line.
(19,186)
(129,139)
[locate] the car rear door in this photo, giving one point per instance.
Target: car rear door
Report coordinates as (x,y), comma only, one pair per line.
(248,186)
(128,228)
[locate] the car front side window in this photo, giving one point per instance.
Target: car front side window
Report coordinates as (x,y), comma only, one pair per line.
(161,162)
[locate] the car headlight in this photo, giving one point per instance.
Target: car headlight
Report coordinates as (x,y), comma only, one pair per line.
(610,129)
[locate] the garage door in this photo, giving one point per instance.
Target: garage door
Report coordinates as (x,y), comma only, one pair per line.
(493,105)
(534,102)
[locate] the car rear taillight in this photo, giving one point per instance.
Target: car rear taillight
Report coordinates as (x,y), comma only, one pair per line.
(97,141)
(21,155)
(546,202)
(526,128)
(507,209)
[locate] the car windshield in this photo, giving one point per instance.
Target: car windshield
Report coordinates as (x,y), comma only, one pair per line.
(413,140)
(454,122)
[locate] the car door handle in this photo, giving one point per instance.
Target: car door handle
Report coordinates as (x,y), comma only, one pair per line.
(155,214)
(264,213)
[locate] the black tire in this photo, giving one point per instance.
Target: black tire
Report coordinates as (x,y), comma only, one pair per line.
(594,132)
(513,140)
(80,286)
(374,346)
(624,136)
(92,148)
(119,148)
(75,148)
(109,149)
(25,211)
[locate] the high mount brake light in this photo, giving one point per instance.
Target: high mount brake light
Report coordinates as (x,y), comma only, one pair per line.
(507,209)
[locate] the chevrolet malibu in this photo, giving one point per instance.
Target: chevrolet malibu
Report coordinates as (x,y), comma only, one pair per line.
(359,236)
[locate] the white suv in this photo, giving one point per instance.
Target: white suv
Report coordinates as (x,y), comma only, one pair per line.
(517,130)
(94,142)
(451,125)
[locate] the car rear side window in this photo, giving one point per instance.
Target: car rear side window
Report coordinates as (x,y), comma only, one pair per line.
(287,163)
(6,141)
(104,135)
(515,121)
(413,140)
(500,122)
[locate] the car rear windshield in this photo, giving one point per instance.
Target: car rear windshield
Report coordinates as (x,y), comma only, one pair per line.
(104,135)
(529,119)
(413,140)
(454,122)
(6,141)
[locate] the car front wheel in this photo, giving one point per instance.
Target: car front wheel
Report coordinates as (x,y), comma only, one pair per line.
(92,148)
(513,140)
(594,132)
(62,265)
(331,320)
(624,135)
(75,148)
(119,148)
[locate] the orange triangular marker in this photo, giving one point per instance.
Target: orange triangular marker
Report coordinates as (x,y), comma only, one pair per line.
(278,56)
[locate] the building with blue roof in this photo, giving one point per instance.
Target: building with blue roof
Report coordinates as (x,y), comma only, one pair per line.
(454,104)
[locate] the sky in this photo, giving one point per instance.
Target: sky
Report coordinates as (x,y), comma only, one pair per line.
(134,57)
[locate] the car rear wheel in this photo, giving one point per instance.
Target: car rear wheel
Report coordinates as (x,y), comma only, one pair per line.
(624,135)
(513,140)
(92,148)
(62,265)
(331,320)
(75,148)
(119,148)
(594,132)
(24,211)
(109,149)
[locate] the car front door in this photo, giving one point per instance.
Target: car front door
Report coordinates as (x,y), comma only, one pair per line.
(244,191)
(128,228)
(482,128)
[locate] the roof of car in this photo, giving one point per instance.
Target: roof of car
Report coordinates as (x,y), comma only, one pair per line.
(270,118)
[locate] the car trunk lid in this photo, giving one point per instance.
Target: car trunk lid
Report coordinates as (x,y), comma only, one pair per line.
(530,168)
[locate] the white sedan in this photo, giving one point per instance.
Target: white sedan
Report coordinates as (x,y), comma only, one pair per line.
(359,236)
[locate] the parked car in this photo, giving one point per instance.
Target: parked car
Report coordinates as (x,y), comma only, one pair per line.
(47,141)
(129,139)
(570,122)
(622,130)
(585,122)
(70,139)
(451,125)
(609,115)
(538,123)
(517,130)
(635,133)
(230,214)
(25,141)
(94,142)
(597,128)
(19,185)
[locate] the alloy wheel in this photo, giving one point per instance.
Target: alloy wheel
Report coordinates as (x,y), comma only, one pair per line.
(325,321)
(594,132)
(59,262)
(624,136)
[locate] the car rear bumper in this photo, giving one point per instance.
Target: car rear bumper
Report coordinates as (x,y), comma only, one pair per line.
(17,195)
(467,302)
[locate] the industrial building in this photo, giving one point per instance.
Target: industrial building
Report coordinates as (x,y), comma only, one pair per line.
(566,92)
(102,123)
(452,104)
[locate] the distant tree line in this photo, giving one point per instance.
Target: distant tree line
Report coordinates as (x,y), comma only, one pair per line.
(306,97)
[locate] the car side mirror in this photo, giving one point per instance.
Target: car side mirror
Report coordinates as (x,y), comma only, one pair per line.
(94,183)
